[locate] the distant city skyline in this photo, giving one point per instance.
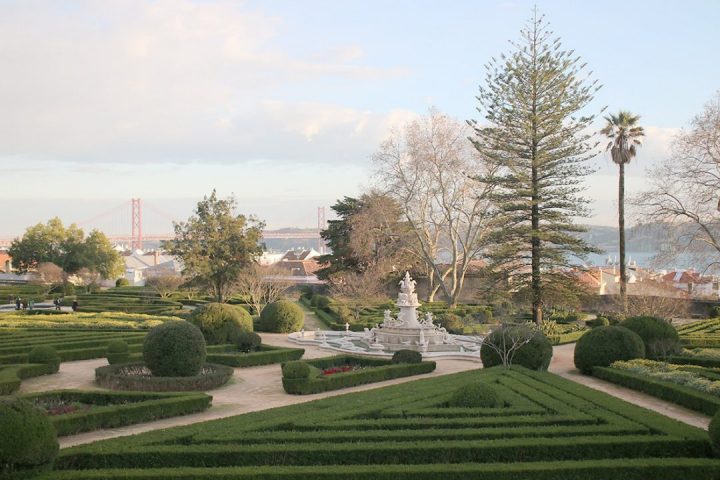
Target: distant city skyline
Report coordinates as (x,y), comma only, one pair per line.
(282,103)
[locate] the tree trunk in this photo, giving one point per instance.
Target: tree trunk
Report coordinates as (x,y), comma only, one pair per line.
(621,228)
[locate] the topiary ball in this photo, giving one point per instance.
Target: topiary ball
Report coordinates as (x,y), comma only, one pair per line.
(295,369)
(407,356)
(474,395)
(221,323)
(660,337)
(174,349)
(602,346)
(118,352)
(248,341)
(535,355)
(29,442)
(714,432)
(46,355)
(281,317)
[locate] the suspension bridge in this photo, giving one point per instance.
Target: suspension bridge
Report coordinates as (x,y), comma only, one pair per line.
(137,237)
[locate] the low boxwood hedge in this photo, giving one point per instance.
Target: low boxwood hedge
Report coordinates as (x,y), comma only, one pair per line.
(117,409)
(672,392)
(267,354)
(12,375)
(135,376)
(376,370)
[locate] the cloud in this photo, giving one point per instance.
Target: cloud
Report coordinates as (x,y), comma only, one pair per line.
(172,81)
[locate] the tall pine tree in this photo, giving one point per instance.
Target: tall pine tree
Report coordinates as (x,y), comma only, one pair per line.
(534,131)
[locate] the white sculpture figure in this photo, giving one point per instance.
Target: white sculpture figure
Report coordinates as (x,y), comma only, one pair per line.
(347,327)
(407,284)
(386,318)
(302,332)
(428,322)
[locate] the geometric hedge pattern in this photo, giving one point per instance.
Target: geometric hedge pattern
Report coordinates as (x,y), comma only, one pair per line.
(546,428)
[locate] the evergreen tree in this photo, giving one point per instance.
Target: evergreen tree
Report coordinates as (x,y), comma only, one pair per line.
(534,131)
(215,244)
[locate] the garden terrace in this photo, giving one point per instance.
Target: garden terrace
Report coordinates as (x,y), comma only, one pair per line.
(546,428)
(74,411)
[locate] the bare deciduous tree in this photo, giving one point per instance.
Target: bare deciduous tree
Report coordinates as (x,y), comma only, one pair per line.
(505,340)
(261,285)
(426,168)
(357,290)
(164,284)
(50,273)
(685,190)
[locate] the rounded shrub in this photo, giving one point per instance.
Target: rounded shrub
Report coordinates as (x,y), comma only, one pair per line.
(122,282)
(295,369)
(407,356)
(29,442)
(281,317)
(220,323)
(474,395)
(451,322)
(535,354)
(321,301)
(714,432)
(46,355)
(247,341)
(174,349)
(118,352)
(602,346)
(660,338)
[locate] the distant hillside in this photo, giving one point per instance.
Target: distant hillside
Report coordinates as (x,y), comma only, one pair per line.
(642,238)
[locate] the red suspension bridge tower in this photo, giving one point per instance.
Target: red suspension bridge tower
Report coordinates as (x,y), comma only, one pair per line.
(136,242)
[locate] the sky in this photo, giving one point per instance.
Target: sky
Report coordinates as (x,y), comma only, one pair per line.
(282,103)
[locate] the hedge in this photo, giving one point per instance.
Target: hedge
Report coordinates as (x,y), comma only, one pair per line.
(708,362)
(377,371)
(628,469)
(12,375)
(115,378)
(113,409)
(548,427)
(266,355)
(672,392)
(565,338)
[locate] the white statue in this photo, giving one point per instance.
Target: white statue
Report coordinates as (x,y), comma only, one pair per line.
(407,284)
(428,322)
(347,327)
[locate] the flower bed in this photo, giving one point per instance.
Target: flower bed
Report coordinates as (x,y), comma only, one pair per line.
(136,376)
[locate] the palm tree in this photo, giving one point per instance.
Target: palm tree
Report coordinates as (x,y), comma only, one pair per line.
(624,134)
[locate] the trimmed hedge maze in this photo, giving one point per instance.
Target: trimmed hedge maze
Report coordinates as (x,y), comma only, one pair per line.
(127,300)
(266,354)
(546,428)
(701,334)
(15,344)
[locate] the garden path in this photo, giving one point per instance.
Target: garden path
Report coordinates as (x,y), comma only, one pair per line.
(563,364)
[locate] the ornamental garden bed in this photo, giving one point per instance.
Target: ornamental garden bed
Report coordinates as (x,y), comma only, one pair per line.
(691,386)
(75,411)
(546,428)
(136,376)
(344,371)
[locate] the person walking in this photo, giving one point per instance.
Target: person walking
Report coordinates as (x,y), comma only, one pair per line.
(17,303)
(75,306)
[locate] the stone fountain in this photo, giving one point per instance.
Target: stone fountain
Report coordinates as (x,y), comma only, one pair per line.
(406,332)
